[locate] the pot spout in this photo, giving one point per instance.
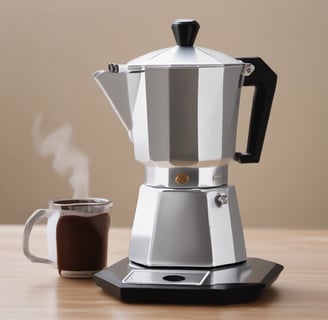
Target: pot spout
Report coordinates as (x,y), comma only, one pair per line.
(120,87)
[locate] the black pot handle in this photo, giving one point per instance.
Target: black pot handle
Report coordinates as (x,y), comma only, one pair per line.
(264,80)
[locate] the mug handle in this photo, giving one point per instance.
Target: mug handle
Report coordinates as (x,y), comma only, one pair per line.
(34,218)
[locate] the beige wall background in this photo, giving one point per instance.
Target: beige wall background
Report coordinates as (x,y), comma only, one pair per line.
(49,49)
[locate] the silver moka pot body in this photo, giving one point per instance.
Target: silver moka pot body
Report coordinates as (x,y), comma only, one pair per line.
(180,108)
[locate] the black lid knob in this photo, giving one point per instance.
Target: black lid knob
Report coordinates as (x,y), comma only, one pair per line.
(185,31)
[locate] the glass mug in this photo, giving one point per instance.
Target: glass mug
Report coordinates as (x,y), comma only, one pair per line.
(77,235)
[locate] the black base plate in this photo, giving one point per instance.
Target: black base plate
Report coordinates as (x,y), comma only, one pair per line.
(236,283)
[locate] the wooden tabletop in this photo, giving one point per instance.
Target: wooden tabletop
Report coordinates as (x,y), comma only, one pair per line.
(35,291)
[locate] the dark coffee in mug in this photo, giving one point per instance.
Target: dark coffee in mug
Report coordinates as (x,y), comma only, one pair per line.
(77,234)
(82,242)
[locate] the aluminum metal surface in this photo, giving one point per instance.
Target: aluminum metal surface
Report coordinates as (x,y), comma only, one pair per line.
(185,227)
(178,117)
(195,177)
(178,56)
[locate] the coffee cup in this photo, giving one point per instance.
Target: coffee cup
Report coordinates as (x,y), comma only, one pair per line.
(77,235)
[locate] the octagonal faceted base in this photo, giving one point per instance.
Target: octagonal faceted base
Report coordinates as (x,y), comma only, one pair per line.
(187,228)
(237,283)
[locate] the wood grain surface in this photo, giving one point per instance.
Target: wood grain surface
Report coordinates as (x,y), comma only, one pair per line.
(35,291)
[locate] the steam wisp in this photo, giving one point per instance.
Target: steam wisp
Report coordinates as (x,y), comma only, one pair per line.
(67,159)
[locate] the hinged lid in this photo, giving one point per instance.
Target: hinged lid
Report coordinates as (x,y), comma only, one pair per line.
(184,54)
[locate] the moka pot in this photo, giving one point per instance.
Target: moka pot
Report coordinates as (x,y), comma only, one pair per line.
(180,108)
